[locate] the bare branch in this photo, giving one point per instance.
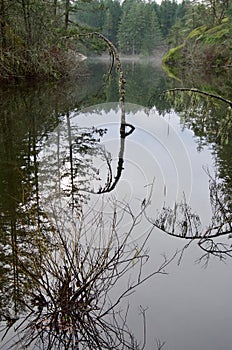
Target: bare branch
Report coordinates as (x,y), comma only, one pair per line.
(218,97)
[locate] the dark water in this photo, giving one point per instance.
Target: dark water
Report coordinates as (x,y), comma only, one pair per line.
(81,174)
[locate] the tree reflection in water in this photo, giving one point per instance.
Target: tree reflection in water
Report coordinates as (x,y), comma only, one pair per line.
(73,275)
(72,302)
(86,265)
(182,222)
(209,116)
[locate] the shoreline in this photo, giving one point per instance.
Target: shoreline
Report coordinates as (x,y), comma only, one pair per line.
(155,58)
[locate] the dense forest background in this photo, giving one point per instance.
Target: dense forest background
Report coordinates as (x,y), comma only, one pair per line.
(42,38)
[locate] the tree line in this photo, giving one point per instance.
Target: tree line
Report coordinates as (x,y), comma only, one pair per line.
(135,27)
(33,33)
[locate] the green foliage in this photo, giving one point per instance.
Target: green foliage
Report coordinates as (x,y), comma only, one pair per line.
(173,54)
(167,13)
(33,39)
(205,46)
(197,32)
(217,9)
(139,29)
(131,28)
(193,15)
(135,27)
(112,17)
(32,33)
(217,34)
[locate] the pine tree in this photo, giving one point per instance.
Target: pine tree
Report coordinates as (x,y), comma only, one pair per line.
(111,20)
(108,25)
(152,34)
(167,15)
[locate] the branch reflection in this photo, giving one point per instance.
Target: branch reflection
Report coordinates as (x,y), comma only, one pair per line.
(71,162)
(111,184)
(71,303)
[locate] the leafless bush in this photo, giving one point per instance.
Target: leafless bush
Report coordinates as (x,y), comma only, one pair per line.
(72,297)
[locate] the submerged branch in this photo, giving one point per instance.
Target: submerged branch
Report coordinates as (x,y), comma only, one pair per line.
(199,92)
(111,184)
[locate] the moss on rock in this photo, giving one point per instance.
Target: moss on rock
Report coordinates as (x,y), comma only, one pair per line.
(204,47)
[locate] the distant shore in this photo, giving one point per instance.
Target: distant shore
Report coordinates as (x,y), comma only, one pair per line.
(155,58)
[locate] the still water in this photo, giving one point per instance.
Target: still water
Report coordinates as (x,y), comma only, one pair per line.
(146,179)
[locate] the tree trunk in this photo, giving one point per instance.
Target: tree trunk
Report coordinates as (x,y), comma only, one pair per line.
(3,26)
(55,7)
(66,19)
(27,21)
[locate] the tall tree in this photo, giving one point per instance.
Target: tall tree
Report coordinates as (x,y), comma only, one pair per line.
(167,15)
(139,30)
(217,9)
(152,33)
(112,15)
(67,12)
(3,25)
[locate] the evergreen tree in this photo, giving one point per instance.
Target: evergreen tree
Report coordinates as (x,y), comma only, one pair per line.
(138,14)
(126,40)
(139,30)
(167,15)
(152,33)
(108,24)
(176,34)
(90,14)
(112,15)
(196,15)
(229,14)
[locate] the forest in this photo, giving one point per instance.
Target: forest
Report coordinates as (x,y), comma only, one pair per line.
(42,39)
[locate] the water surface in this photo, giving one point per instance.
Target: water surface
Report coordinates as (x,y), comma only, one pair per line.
(69,149)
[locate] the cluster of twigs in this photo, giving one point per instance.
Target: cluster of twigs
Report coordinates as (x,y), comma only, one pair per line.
(73,303)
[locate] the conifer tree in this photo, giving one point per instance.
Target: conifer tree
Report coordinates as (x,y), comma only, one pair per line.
(152,33)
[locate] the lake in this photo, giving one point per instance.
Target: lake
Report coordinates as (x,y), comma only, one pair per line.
(116,217)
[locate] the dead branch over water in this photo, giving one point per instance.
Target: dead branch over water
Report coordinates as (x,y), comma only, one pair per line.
(205,93)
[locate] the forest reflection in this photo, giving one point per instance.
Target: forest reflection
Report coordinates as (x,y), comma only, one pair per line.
(210,119)
(71,158)
(60,263)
